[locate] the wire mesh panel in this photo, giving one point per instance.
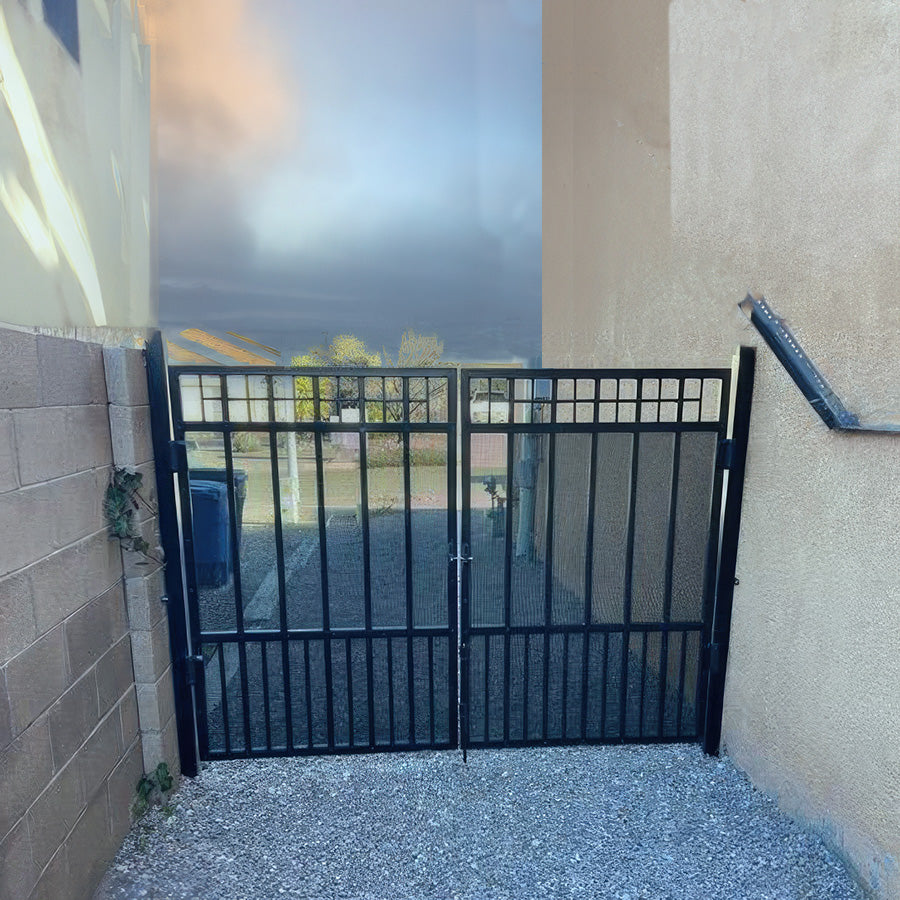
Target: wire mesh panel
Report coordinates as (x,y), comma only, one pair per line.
(591,503)
(318,506)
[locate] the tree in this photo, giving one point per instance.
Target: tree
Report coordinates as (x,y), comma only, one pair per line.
(383,401)
(345,351)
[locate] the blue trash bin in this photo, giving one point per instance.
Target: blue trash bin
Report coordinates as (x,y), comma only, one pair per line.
(240,490)
(212,542)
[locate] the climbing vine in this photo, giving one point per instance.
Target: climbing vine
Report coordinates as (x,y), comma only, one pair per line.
(123,499)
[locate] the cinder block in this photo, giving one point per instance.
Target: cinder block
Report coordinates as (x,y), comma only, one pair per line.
(36,678)
(18,630)
(6,734)
(115,675)
(88,431)
(44,444)
(55,812)
(121,787)
(9,465)
(94,628)
(68,579)
(128,713)
(17,872)
(97,758)
(126,376)
(20,381)
(148,492)
(156,703)
(143,597)
(54,882)
(162,746)
(131,439)
(150,653)
(27,525)
(71,372)
(26,768)
(78,503)
(90,848)
(137,564)
(72,718)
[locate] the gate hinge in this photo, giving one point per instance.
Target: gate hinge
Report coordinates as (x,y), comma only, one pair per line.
(190,668)
(177,456)
(725,454)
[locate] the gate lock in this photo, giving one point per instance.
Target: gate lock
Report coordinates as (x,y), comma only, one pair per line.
(463,557)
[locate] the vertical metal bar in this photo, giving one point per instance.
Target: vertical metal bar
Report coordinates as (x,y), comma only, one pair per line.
(279,557)
(235,559)
(548,559)
(431,687)
(684,636)
(308,691)
(605,685)
(565,685)
(643,684)
(527,640)
(670,561)
(349,693)
(367,558)
(712,562)
(323,562)
(487,688)
(265,680)
(183,617)
(463,569)
(390,665)
(589,563)
(731,524)
(453,579)
(407,521)
(629,573)
(226,723)
(507,564)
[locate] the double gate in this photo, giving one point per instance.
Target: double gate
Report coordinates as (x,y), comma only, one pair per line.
(339,599)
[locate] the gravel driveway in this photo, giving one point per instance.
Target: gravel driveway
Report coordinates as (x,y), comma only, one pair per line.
(601,822)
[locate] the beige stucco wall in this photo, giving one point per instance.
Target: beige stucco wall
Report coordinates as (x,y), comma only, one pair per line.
(75,169)
(694,151)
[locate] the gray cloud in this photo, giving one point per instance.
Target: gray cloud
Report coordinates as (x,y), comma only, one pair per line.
(413,208)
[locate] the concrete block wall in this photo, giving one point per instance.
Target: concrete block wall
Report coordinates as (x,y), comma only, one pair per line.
(132,447)
(71,750)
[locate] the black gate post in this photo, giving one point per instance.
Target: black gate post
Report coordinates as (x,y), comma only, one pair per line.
(160,427)
(731,526)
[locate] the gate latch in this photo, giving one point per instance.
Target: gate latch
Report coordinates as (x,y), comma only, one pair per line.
(463,557)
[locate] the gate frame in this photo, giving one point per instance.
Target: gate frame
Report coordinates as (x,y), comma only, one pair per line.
(170,460)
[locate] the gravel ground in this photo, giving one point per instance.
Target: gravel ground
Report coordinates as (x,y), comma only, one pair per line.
(605,822)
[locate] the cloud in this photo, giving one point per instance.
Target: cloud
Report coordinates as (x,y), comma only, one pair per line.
(222,89)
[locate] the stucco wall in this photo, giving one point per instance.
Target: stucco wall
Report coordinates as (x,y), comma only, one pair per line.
(75,169)
(692,152)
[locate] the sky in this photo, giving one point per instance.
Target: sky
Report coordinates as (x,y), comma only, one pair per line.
(351,166)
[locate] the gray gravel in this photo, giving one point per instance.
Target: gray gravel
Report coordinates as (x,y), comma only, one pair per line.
(606,822)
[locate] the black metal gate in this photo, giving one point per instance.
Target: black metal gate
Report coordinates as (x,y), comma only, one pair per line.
(591,506)
(315,511)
